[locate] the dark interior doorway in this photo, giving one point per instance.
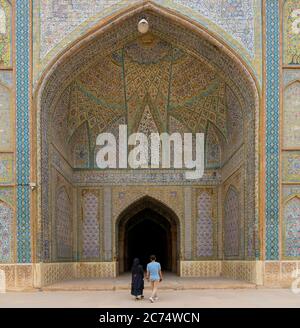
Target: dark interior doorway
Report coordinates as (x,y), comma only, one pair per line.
(148,227)
(148,233)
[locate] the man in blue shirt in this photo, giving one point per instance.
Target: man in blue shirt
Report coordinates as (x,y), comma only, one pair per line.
(155,276)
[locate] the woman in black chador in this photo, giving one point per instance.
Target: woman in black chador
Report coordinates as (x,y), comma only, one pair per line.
(137,282)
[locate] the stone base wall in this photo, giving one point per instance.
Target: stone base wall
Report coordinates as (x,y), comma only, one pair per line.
(17,276)
(200,268)
(96,270)
(281,273)
(263,273)
(50,273)
(29,276)
(250,271)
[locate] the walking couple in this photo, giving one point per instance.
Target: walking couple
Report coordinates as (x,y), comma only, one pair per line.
(154,275)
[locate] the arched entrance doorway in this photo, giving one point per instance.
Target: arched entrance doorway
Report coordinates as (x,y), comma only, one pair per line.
(116,76)
(148,227)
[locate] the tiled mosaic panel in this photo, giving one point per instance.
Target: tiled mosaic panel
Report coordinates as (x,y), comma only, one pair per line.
(122,197)
(6,77)
(291,123)
(195,75)
(292,228)
(7,195)
(6,169)
(188,223)
(5,33)
(272,128)
(234,123)
(147,126)
(60,164)
(5,118)
(291,166)
(290,190)
(90,225)
(141,177)
(107,223)
(290,75)
(213,148)
(140,73)
(231,223)
(22,26)
(6,222)
(80,147)
(291,30)
(234,16)
(59,18)
(60,123)
(205,228)
(63,225)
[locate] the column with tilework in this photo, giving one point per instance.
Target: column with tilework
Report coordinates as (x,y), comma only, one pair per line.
(22,28)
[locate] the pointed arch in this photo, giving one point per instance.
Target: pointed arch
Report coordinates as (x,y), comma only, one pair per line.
(147,201)
(111,36)
(167,219)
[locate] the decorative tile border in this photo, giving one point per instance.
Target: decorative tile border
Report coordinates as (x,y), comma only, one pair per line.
(210,16)
(272,129)
(22,129)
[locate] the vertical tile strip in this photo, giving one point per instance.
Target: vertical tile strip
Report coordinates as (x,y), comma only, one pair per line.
(188,223)
(272,128)
(107,224)
(22,129)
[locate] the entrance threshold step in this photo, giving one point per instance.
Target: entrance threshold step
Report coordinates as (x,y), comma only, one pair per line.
(176,283)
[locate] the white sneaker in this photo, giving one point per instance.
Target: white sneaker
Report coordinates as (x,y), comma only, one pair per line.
(156,298)
(151,299)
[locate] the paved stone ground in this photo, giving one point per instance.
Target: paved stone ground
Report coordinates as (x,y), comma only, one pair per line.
(250,298)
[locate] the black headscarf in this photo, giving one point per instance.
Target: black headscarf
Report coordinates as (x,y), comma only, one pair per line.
(135,266)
